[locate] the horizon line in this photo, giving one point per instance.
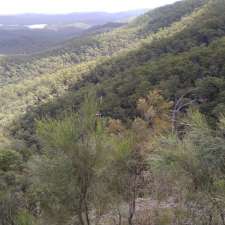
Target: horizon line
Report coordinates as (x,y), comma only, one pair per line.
(74,12)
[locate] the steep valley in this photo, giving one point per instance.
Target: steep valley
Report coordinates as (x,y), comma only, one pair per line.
(121,115)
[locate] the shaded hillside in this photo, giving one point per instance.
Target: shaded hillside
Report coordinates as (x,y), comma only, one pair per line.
(163,63)
(19,33)
(162,42)
(90,47)
(198,74)
(27,41)
(122,126)
(23,41)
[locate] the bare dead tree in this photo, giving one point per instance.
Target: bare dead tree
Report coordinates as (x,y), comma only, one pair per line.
(180,104)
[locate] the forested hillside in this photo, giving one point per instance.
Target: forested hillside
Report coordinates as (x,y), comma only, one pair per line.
(122,126)
(93,46)
(33,33)
(26,41)
(83,50)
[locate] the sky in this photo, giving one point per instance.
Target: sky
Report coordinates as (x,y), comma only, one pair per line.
(67,6)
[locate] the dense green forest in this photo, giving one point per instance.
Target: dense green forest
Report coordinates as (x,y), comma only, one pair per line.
(122,126)
(23,40)
(93,46)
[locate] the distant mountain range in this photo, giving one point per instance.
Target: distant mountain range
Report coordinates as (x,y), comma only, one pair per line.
(30,33)
(90,18)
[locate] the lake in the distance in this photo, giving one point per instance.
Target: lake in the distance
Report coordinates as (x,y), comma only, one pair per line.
(37,26)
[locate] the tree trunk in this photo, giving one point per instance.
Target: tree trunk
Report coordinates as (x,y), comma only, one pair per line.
(120,218)
(80,217)
(132,203)
(222,218)
(130,219)
(80,211)
(174,121)
(86,212)
(210,219)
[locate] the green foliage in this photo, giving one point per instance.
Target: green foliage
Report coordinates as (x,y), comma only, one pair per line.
(24,218)
(197,162)
(11,184)
(82,165)
(9,160)
(40,85)
(69,172)
(22,40)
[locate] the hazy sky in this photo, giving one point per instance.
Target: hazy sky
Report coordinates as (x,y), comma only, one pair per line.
(66,6)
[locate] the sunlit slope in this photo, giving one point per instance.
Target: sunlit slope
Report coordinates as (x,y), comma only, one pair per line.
(92,46)
(199,28)
(198,71)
